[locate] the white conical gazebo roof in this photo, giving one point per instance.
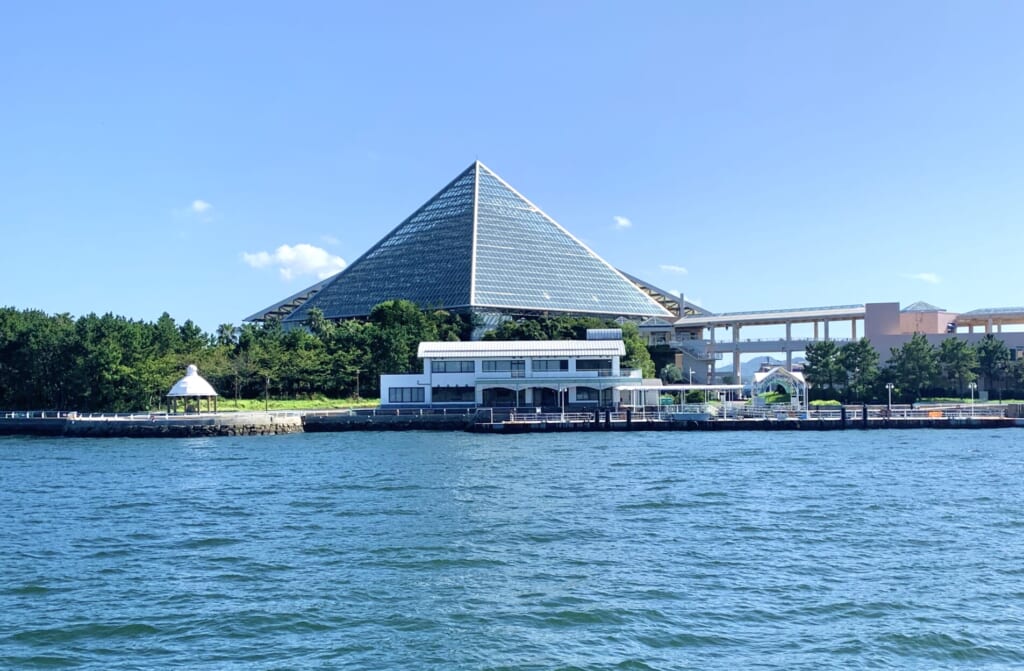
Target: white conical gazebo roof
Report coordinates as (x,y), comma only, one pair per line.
(192,384)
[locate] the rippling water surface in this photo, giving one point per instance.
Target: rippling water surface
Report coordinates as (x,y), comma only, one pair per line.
(450,551)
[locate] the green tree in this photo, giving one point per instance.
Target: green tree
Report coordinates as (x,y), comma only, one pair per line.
(226,335)
(637,354)
(398,327)
(859,361)
(671,374)
(915,366)
(822,367)
(993,360)
(958,361)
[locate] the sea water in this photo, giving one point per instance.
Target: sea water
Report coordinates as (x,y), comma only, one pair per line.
(421,550)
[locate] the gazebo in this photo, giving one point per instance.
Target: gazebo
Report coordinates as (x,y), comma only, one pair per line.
(192,386)
(794,384)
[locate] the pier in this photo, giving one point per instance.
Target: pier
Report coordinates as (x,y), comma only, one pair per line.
(505,421)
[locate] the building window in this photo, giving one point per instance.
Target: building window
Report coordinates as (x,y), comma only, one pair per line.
(504,366)
(452,366)
(547,365)
(453,395)
(405,395)
(587,394)
(594,364)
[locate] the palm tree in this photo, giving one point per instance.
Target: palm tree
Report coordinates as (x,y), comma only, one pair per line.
(226,335)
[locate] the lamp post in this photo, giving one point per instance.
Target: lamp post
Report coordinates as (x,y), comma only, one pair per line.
(692,371)
(972,386)
(357,383)
(889,386)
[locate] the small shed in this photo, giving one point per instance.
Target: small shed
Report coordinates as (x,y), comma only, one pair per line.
(192,388)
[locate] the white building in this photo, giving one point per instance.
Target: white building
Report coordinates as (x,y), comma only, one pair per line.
(532,374)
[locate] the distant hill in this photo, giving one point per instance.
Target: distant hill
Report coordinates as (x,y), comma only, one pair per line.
(748,368)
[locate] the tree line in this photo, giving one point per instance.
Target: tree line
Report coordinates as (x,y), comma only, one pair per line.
(110,363)
(851,373)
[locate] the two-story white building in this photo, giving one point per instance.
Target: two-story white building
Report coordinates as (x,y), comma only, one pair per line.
(533,374)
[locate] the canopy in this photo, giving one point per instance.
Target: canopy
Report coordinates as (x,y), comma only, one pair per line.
(192,384)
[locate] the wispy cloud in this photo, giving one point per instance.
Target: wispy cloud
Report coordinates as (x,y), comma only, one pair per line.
(330,239)
(200,206)
(669,268)
(622,222)
(296,261)
(930,278)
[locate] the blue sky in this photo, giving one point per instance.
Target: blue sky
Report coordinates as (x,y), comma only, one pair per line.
(208,159)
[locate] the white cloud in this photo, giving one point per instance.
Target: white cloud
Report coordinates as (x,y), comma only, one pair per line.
(930,278)
(302,259)
(669,268)
(622,222)
(200,206)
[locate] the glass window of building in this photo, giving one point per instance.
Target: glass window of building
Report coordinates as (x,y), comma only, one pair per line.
(405,395)
(547,365)
(453,394)
(504,366)
(452,366)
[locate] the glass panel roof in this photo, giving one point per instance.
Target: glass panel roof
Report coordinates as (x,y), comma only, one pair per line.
(426,259)
(524,260)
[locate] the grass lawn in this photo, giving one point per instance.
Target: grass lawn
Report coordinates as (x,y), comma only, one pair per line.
(257,404)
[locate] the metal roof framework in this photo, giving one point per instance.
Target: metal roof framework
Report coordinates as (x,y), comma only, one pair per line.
(769,317)
(984,316)
(476,245)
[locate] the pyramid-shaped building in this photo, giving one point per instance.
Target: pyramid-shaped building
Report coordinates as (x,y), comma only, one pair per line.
(477,246)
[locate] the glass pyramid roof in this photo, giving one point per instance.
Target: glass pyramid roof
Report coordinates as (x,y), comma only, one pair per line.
(479,244)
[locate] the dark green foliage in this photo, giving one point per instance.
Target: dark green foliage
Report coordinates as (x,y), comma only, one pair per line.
(823,368)
(115,364)
(575,328)
(916,366)
(859,361)
(993,360)
(958,361)
(671,374)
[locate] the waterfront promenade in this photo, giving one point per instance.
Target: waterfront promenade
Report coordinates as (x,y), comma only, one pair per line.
(506,420)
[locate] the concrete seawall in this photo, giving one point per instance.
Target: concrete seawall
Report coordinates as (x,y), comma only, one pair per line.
(274,423)
(743,425)
(314,423)
(152,426)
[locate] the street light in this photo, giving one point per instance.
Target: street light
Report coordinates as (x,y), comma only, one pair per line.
(889,386)
(692,371)
(972,386)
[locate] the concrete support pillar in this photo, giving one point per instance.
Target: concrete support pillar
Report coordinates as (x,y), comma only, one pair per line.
(988,326)
(815,330)
(789,361)
(826,329)
(970,329)
(736,354)
(999,328)
(853,329)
